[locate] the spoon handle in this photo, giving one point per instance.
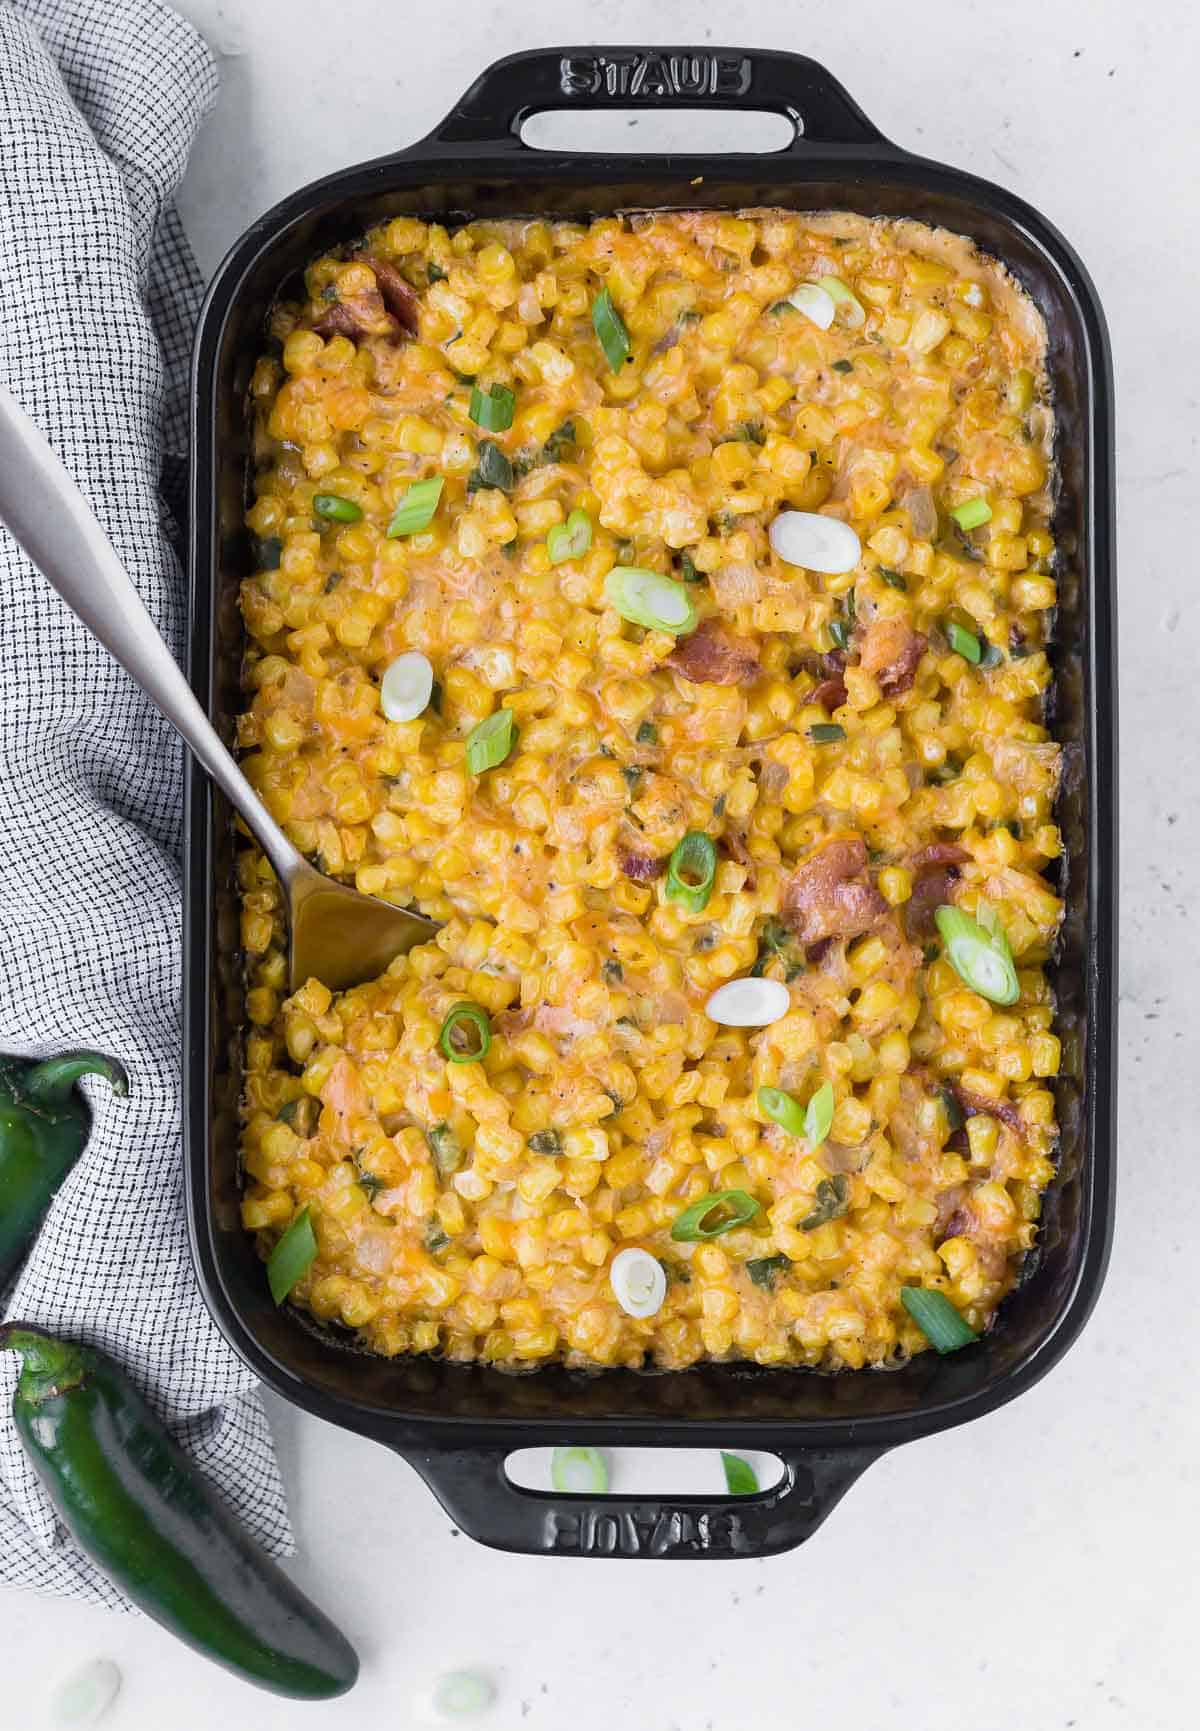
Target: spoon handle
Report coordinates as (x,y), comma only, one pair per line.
(50,518)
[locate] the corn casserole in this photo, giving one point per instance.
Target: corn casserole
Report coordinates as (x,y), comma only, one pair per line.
(662,604)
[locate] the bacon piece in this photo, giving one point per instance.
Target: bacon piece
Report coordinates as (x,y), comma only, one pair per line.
(830,894)
(830,693)
(399,297)
(970,1104)
(642,868)
(891,652)
(357,316)
(713,656)
(940,853)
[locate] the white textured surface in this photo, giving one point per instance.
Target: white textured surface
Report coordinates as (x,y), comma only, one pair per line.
(1034,1571)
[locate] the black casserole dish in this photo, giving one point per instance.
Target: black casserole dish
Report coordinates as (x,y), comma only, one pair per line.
(456,1424)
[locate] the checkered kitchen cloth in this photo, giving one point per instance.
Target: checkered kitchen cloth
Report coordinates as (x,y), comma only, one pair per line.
(100,101)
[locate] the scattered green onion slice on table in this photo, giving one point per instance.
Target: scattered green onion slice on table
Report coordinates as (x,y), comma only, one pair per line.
(293,1256)
(826,732)
(335,508)
(718,1212)
(972,514)
(415,510)
(85,1696)
(493,410)
(978,951)
(581,1471)
(937,1318)
(818,1115)
(461,1695)
(650,599)
(466,1034)
(407,686)
(610,328)
(855,313)
(491,741)
(692,871)
(963,642)
(741,1480)
(783,1109)
(569,540)
(638,1281)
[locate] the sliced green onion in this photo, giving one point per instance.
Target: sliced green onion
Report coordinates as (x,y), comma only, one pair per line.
(832,1200)
(748,1002)
(972,515)
(491,741)
(815,541)
(545,1142)
(582,1472)
(337,509)
(638,1281)
(293,1256)
(415,511)
(763,1269)
(85,1696)
(692,871)
(466,1034)
(783,1109)
(445,1147)
(937,1318)
(963,642)
(559,442)
(610,328)
(461,1695)
(818,1115)
(992,655)
(492,469)
(817,306)
(826,732)
(569,540)
(650,599)
(493,410)
(714,1214)
(978,950)
(407,686)
(855,312)
(740,1478)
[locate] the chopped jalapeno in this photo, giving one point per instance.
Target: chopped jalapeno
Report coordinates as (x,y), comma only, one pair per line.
(832,1200)
(826,732)
(763,1269)
(490,742)
(445,1147)
(610,328)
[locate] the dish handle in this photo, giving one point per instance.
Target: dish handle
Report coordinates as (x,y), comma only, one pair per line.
(492,112)
(476,1492)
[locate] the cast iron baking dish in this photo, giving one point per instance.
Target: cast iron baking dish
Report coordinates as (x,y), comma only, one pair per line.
(457,1423)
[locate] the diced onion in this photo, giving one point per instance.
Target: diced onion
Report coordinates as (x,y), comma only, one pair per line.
(639,1282)
(811,299)
(407,687)
(86,1695)
(748,1003)
(817,542)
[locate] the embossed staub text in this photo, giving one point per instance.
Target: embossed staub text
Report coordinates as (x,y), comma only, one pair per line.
(650,75)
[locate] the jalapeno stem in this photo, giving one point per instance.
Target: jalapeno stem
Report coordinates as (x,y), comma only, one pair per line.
(50,1082)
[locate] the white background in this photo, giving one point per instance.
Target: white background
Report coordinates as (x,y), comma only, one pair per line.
(1036,1570)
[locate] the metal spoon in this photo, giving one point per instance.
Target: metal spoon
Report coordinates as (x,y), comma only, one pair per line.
(334,934)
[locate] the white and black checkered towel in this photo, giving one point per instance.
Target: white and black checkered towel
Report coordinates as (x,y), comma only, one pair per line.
(100,101)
